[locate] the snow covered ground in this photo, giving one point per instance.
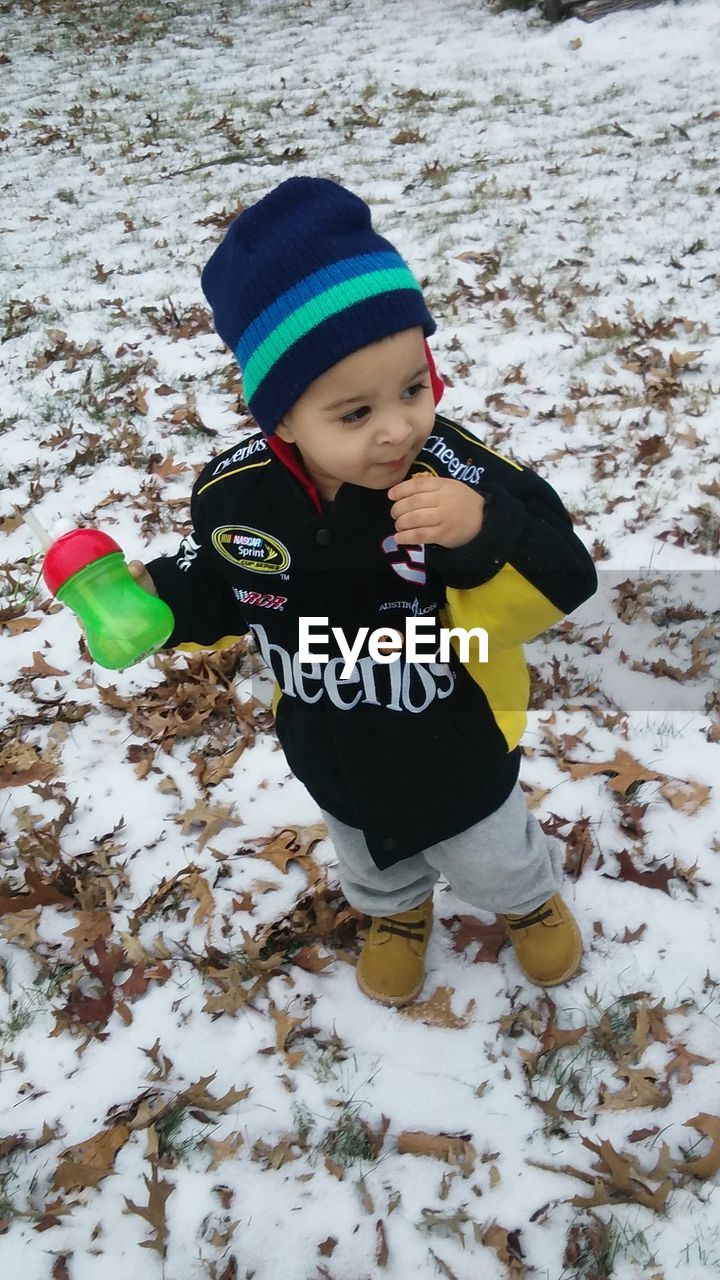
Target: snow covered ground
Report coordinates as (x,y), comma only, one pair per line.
(186,1063)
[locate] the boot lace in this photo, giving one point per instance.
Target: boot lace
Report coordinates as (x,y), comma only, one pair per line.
(538,916)
(414,932)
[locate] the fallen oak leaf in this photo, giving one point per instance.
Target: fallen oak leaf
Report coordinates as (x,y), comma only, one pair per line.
(625,771)
(90,926)
(309,958)
(209,771)
(708,1165)
(656,878)
(40,667)
(688,797)
(437,1011)
(85,1164)
(382,1253)
(506,1244)
(21,927)
(467,930)
(554,1037)
(453,1149)
(21,764)
(643,1089)
(210,819)
(294,844)
(159,1191)
(682,1062)
(42,893)
(223,1149)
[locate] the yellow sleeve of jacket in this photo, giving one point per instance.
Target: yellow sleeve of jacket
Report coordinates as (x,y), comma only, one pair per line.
(524,571)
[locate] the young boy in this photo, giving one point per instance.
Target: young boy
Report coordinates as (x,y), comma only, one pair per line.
(357,504)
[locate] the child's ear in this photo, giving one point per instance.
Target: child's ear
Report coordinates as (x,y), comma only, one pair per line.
(285,432)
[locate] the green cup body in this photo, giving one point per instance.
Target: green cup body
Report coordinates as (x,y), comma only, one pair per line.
(122,622)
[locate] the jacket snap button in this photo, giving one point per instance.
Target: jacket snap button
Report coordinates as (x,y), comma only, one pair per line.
(323,537)
(389,844)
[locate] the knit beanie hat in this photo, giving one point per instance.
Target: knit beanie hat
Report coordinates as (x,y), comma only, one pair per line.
(300,281)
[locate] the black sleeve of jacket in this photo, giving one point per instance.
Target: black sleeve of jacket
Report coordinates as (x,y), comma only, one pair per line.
(202,603)
(530,530)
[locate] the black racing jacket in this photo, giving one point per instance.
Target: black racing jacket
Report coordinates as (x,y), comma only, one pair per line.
(411,753)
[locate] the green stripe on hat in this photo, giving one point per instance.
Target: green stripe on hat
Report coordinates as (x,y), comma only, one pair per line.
(312,313)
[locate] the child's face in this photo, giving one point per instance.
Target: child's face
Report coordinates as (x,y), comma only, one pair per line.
(387,415)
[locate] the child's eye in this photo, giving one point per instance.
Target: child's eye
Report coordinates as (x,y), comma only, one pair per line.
(352,419)
(417,387)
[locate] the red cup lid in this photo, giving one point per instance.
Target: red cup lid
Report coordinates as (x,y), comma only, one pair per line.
(75,551)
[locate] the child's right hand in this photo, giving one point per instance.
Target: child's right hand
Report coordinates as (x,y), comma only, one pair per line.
(142,577)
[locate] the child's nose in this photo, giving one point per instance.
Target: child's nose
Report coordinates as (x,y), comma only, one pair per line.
(396,430)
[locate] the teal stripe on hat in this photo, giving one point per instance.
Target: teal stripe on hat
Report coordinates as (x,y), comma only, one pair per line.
(310,314)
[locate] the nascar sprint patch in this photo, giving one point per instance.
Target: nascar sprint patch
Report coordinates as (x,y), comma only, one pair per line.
(250,549)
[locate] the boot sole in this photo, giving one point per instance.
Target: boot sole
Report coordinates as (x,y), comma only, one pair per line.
(389,1001)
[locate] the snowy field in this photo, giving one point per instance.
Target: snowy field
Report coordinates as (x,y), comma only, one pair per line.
(191,1085)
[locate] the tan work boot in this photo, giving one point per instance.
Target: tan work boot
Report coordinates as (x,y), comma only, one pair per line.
(391,967)
(547,942)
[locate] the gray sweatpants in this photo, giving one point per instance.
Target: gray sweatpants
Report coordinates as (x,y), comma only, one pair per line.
(505,863)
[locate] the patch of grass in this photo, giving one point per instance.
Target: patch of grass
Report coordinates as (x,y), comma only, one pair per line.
(348,1142)
(304,1121)
(596,1245)
(19,586)
(8,1207)
(171,1145)
(704,1249)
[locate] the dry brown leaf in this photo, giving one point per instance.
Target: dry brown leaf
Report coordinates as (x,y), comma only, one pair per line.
(554,1037)
(21,927)
(21,764)
(437,1011)
(40,667)
(382,1253)
(85,1164)
(453,1149)
(623,766)
(578,848)
(643,1089)
(294,844)
(708,1165)
(678,359)
(656,878)
(211,770)
(468,930)
(309,958)
(210,819)
(41,893)
(16,626)
(198,886)
(553,1110)
(688,797)
(159,1191)
(506,1244)
(90,926)
(284,1026)
(682,1062)
(223,1149)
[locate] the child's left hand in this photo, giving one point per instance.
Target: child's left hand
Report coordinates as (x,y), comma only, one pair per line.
(430,509)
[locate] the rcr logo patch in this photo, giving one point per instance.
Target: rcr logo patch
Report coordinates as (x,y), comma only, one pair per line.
(250,549)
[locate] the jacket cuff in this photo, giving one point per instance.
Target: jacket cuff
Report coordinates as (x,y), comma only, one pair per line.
(163,572)
(485,554)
